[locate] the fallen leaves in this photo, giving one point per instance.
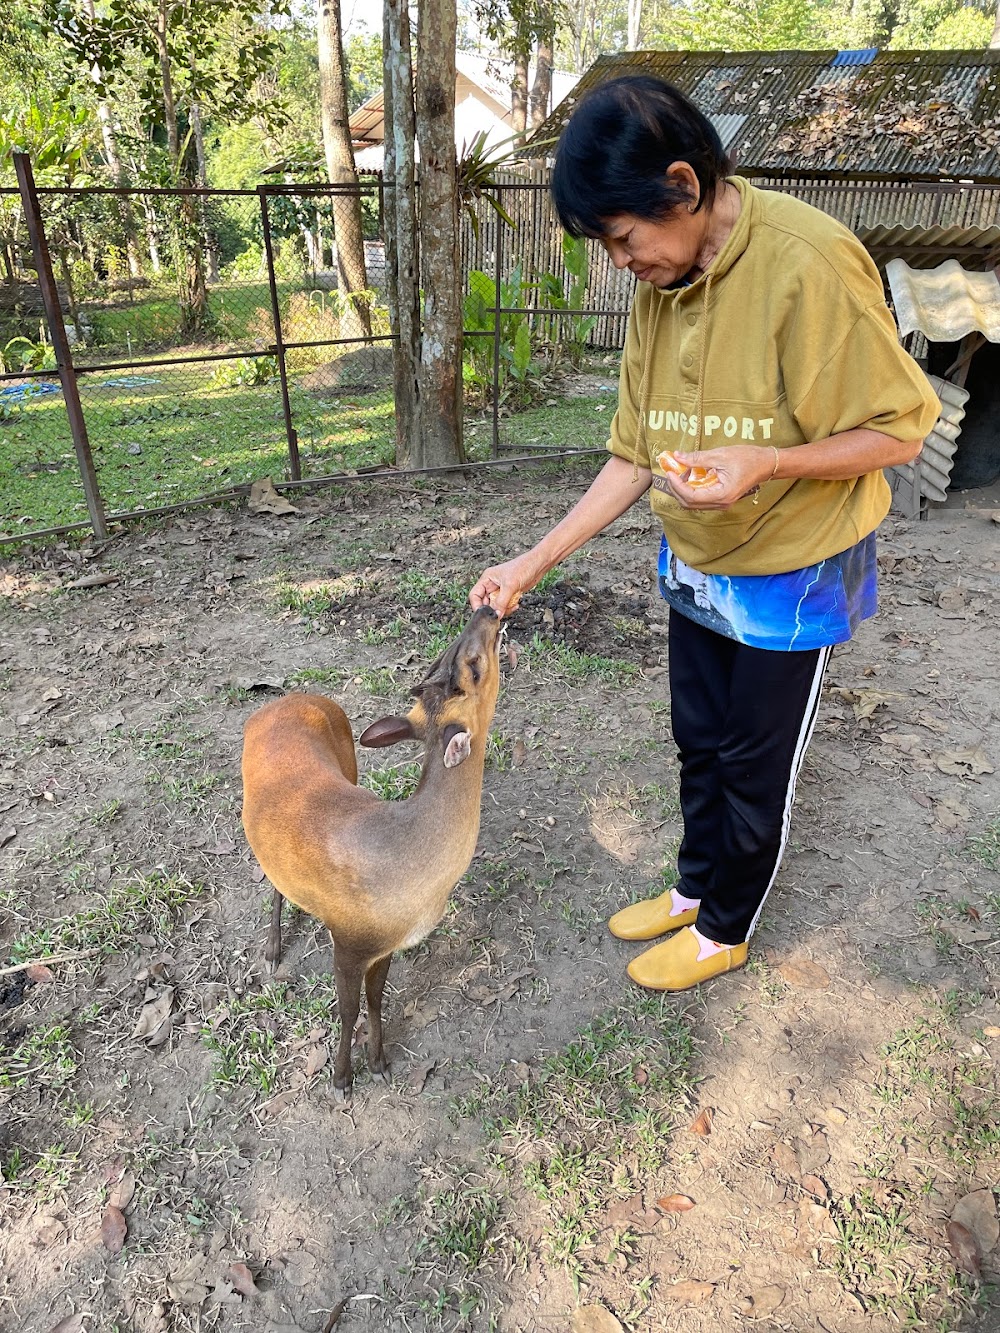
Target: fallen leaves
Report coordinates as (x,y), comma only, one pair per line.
(964,1250)
(114,1229)
(675,1203)
(761,1303)
(702,1124)
(242,1280)
(965,763)
(594,1319)
(73,1323)
(156,1017)
(264,499)
(804,974)
(977,1213)
(689,1292)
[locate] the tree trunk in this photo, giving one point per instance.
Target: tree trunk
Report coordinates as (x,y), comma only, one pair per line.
(335,117)
(201,176)
(995,39)
(399,222)
(634,23)
(439,439)
(116,167)
(167,86)
(190,259)
(541,89)
(519,92)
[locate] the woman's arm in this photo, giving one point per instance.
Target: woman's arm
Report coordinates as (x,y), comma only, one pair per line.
(741,467)
(613,490)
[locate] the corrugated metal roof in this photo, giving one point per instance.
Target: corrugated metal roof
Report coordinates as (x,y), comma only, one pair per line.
(944,303)
(924,115)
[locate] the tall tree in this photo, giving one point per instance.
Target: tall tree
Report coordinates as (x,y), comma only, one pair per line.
(187,53)
(634,24)
(995,39)
(400,224)
(541,89)
(438,440)
(335,117)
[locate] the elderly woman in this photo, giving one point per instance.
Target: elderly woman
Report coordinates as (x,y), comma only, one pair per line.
(763,390)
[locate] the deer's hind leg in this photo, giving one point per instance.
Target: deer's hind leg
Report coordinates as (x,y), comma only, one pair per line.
(272,949)
(348,973)
(374,986)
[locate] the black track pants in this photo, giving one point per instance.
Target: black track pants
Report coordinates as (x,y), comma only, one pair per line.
(742,718)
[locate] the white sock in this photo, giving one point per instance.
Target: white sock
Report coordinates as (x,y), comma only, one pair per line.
(679,904)
(706,947)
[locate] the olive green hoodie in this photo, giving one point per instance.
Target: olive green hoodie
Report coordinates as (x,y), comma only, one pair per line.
(786,339)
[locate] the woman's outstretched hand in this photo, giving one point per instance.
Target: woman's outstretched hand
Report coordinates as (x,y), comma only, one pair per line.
(502,586)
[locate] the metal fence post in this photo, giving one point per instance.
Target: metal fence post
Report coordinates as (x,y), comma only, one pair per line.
(498,256)
(279,343)
(60,344)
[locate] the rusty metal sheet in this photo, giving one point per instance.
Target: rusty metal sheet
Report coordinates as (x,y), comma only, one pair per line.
(944,303)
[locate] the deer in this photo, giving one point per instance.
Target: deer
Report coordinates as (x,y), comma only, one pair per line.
(378,874)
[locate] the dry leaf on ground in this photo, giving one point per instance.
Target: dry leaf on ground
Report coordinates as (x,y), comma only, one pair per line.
(73,1323)
(977,1212)
(814,1185)
(702,1124)
(675,1203)
(594,1319)
(242,1279)
(689,1292)
(963,763)
(122,1191)
(155,1018)
(316,1058)
(419,1075)
(805,974)
(765,1301)
(264,499)
(114,1229)
(964,1250)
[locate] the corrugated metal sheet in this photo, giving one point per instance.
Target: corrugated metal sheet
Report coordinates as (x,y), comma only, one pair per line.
(923,247)
(924,115)
(929,477)
(944,303)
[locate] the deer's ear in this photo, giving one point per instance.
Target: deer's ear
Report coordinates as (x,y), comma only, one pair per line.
(457,745)
(387,731)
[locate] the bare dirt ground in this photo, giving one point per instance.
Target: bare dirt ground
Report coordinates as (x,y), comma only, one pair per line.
(810,1144)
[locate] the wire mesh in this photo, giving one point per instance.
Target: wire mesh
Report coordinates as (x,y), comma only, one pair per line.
(335,326)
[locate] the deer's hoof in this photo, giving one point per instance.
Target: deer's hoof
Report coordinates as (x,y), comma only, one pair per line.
(343,1095)
(385,1074)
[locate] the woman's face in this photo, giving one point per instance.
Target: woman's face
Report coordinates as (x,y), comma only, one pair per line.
(661,251)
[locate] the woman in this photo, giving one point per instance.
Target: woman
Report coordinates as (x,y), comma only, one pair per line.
(762,392)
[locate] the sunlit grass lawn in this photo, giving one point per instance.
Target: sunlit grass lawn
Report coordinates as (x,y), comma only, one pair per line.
(181,437)
(238,314)
(175,440)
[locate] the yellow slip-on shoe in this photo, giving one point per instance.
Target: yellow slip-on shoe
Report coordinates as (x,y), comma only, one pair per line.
(674,965)
(650,918)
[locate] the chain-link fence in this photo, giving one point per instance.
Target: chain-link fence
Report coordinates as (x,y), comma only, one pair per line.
(209,339)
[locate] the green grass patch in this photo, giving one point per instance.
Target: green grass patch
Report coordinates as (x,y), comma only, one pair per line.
(395,783)
(985,846)
(143,907)
(576,665)
(45,1058)
(254,1037)
(594,1124)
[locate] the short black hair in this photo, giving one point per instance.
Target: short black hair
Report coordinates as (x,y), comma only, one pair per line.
(613,155)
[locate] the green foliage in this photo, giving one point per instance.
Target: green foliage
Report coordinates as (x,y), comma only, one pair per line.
(515,336)
(569,332)
(22,354)
(247,372)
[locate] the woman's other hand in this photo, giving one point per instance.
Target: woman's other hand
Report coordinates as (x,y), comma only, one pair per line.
(502,586)
(737,470)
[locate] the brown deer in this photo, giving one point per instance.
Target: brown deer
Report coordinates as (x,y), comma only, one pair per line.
(378,874)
